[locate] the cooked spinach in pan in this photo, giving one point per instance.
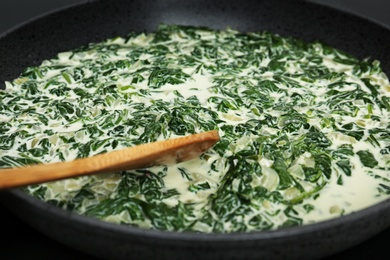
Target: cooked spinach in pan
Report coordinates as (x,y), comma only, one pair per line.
(305,128)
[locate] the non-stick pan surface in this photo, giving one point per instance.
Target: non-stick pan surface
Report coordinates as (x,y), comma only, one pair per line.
(97,20)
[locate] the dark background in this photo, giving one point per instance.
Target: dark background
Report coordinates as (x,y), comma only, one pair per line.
(19,241)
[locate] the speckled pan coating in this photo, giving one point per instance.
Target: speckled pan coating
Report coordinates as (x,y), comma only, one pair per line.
(94,21)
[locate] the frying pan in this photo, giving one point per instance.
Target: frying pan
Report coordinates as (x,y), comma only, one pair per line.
(96,20)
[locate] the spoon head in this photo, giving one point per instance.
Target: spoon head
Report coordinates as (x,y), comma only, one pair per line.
(187,148)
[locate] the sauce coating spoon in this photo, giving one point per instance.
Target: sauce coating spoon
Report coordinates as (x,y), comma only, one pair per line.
(166,152)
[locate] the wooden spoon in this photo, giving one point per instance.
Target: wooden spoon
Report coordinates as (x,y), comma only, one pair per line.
(142,156)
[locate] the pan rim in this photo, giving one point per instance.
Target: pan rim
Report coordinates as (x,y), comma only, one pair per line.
(271,235)
(351,12)
(43,15)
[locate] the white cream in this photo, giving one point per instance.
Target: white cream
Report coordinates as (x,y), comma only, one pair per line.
(357,192)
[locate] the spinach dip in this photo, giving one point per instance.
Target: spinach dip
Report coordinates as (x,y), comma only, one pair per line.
(305,129)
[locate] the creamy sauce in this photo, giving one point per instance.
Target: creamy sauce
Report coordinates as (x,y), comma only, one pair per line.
(316,151)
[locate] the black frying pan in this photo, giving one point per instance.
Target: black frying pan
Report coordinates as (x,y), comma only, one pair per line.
(94,21)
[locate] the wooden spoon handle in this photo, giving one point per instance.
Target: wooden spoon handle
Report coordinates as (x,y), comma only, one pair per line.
(146,155)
